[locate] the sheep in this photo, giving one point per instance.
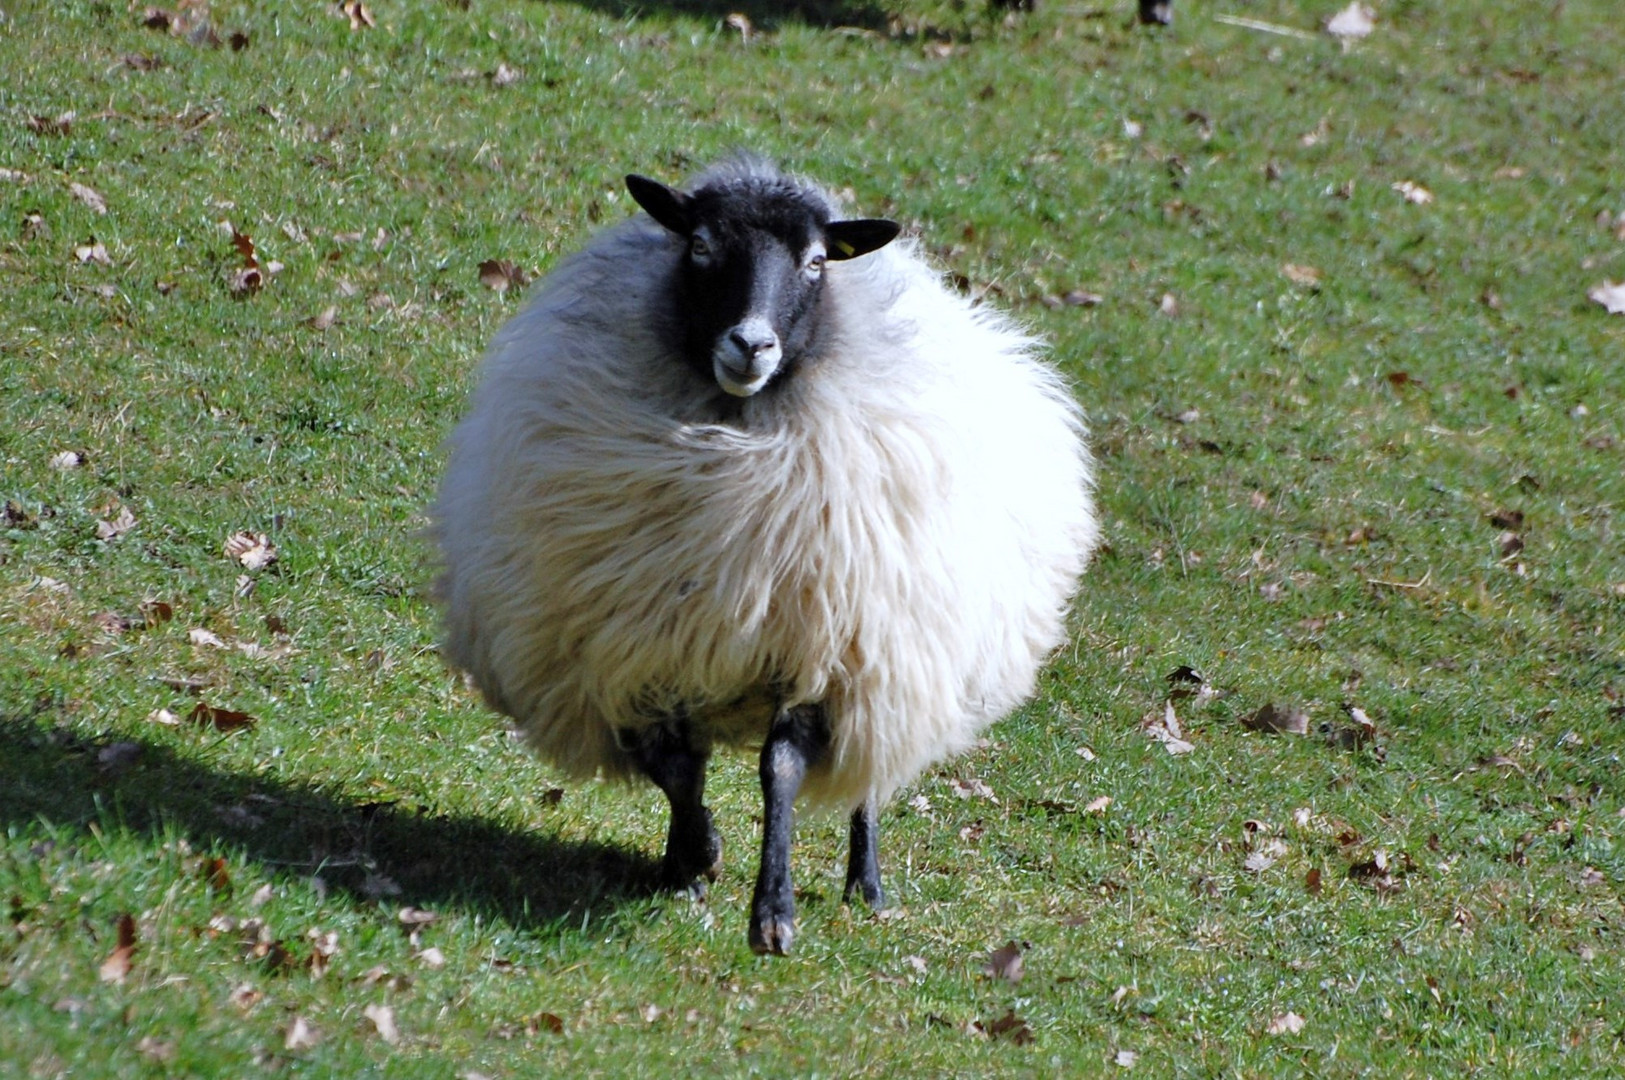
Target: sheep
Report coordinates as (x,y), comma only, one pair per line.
(745,472)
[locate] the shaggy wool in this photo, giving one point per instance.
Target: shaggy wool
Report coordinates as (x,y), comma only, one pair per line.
(896,530)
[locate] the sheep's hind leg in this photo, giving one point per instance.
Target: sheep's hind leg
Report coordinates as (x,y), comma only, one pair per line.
(667,756)
(798,738)
(863,861)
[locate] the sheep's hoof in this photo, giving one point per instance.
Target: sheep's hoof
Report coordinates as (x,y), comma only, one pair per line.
(682,875)
(873,897)
(771,933)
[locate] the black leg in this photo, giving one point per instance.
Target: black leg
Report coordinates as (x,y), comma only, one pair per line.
(666,755)
(863,862)
(798,738)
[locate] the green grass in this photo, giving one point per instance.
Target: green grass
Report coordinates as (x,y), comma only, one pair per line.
(1296,483)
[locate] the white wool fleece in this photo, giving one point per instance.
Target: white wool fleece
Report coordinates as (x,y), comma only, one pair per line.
(895,531)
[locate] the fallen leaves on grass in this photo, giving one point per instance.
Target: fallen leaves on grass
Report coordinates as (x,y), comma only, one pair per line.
(215,874)
(117,526)
(1006,963)
(89,196)
(1610,296)
(324,945)
(1278,721)
(92,251)
(300,1035)
(1380,872)
(359,15)
(1306,277)
(253,550)
(501,275)
(323,320)
(972,788)
(117,965)
(225,721)
(1351,736)
(1125,1059)
(56,126)
(1009,1026)
(1413,192)
(1287,1023)
(1165,730)
(1352,23)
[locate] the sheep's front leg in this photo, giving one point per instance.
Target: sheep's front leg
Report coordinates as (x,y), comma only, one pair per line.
(667,755)
(798,738)
(863,861)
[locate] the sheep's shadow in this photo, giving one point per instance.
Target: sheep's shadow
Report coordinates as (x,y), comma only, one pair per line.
(368,851)
(766,14)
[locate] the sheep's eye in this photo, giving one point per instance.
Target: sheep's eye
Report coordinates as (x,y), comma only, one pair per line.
(698,249)
(815,264)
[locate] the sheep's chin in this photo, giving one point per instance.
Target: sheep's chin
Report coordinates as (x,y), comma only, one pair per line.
(736,386)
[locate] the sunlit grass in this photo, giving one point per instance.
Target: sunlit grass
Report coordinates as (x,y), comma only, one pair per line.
(1299,472)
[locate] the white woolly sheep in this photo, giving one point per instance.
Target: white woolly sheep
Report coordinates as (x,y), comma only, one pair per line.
(744,472)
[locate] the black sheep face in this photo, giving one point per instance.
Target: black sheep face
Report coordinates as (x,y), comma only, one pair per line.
(751,282)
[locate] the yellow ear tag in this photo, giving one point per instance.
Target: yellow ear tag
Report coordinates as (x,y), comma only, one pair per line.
(845,248)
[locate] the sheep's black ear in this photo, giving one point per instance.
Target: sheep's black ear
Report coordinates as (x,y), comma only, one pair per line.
(666,205)
(849,239)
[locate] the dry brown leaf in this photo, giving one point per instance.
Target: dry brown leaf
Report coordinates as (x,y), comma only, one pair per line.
(244,996)
(51,125)
(432,957)
(156,1049)
(1264,856)
(1098,805)
(222,720)
(1311,882)
(1125,1059)
(117,526)
(1610,296)
(1307,277)
(89,196)
(93,251)
(1352,23)
(360,17)
(1009,1026)
(1168,305)
(1288,1023)
(328,316)
(253,550)
(1006,963)
(1276,721)
(501,275)
(502,76)
(117,964)
(164,717)
(215,875)
(300,1035)
(1165,729)
(1413,192)
(972,788)
(199,636)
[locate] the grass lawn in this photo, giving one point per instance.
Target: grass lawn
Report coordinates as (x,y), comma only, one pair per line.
(1361,442)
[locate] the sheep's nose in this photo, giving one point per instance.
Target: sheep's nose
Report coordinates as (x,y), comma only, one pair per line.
(753,341)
